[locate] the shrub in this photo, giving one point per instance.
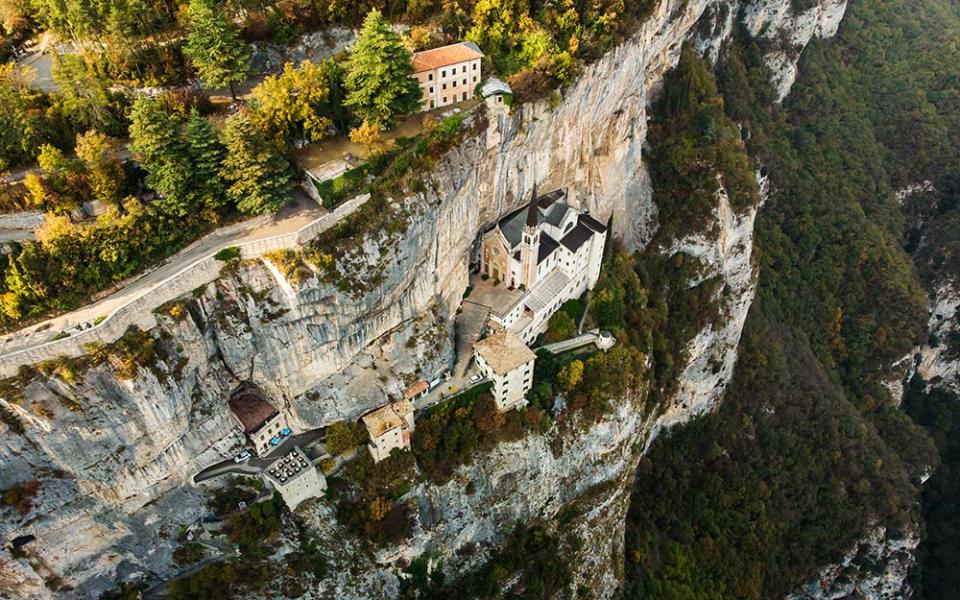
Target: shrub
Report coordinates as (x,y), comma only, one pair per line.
(20,496)
(561,326)
(188,554)
(227,254)
(343,436)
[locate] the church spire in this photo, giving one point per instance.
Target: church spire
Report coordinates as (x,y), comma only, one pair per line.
(533,213)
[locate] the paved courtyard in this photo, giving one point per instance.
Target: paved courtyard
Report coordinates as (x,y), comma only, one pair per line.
(498,298)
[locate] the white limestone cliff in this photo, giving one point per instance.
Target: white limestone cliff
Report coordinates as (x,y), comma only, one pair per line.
(116,455)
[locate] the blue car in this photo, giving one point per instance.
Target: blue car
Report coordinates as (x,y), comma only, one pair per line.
(285,431)
(274,441)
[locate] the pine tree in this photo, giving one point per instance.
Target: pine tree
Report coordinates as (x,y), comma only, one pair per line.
(86,95)
(214,47)
(156,137)
(206,155)
(379,74)
(258,176)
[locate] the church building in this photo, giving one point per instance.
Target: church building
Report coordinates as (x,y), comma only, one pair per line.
(551,251)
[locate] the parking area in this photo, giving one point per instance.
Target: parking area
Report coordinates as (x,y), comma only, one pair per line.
(256,464)
(451,387)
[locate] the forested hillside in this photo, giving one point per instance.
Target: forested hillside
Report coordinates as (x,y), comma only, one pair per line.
(808,450)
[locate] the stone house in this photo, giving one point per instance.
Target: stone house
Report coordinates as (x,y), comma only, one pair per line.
(508,363)
(389,427)
(448,74)
(262,423)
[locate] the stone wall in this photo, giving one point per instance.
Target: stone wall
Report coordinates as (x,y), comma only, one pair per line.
(26,220)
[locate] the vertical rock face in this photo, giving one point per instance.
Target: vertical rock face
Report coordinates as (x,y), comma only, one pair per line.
(785,32)
(876,568)
(116,455)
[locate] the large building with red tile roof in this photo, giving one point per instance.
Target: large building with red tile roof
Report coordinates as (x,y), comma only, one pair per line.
(448,74)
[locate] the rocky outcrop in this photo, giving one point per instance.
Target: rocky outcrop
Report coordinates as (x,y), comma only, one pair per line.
(784,31)
(876,568)
(517,482)
(123,448)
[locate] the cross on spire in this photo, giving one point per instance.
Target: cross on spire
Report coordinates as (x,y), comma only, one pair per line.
(533,213)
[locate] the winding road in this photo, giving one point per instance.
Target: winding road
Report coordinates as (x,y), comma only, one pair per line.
(292,218)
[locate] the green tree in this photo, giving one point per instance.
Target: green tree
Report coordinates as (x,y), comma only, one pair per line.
(342,436)
(22,121)
(156,137)
(258,176)
(379,82)
(561,326)
(214,47)
(206,155)
(85,95)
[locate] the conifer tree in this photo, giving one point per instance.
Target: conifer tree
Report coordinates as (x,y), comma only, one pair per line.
(86,95)
(206,155)
(156,137)
(214,47)
(379,79)
(258,176)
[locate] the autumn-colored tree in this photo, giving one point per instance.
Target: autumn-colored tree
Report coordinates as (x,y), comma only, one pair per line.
(379,79)
(298,103)
(369,136)
(570,375)
(55,226)
(498,24)
(12,16)
(379,508)
(104,171)
(61,185)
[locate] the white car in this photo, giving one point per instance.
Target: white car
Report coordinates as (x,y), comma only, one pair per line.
(476,378)
(242,457)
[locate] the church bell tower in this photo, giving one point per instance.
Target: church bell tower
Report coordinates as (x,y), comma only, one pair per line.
(530,245)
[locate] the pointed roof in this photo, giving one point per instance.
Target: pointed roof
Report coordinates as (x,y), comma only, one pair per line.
(533,212)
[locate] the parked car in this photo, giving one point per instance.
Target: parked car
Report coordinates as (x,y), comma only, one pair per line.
(242,457)
(476,378)
(285,432)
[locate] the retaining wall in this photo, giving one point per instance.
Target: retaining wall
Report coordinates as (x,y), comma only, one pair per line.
(139,311)
(29,220)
